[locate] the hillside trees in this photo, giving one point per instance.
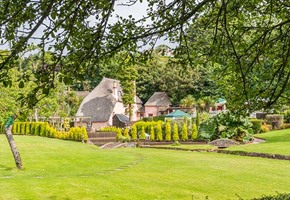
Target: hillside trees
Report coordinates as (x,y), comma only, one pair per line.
(241,39)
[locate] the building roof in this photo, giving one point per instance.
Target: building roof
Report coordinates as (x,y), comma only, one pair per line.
(177,114)
(122,118)
(82,93)
(100,103)
(158,99)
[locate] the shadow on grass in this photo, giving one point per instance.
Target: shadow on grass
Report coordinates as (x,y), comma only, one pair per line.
(5,168)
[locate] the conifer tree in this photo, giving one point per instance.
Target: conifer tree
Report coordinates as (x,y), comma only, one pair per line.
(175,135)
(197,120)
(142,135)
(184,135)
(134,132)
(194,132)
(167,132)
(152,133)
(126,133)
(159,132)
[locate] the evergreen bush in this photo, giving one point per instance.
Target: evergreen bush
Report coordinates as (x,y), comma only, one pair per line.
(194,132)
(184,135)
(142,134)
(175,135)
(134,132)
(126,133)
(152,133)
(159,132)
(168,132)
(257,125)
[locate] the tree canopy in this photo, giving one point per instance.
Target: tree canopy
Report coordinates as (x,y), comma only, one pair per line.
(247,41)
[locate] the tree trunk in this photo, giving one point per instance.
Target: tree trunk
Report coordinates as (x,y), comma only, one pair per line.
(13,148)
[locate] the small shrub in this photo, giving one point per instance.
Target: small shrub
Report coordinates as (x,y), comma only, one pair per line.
(257,125)
(126,134)
(142,134)
(285,126)
(168,132)
(194,132)
(287,116)
(184,135)
(175,135)
(264,129)
(134,132)
(152,133)
(159,132)
(275,120)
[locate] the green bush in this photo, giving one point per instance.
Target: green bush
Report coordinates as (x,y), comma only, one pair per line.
(159,132)
(152,133)
(285,126)
(27,128)
(142,134)
(226,125)
(175,135)
(194,132)
(264,129)
(286,116)
(184,135)
(134,132)
(275,120)
(167,132)
(257,125)
(126,134)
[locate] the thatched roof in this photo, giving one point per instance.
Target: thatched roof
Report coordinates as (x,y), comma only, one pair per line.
(100,103)
(159,99)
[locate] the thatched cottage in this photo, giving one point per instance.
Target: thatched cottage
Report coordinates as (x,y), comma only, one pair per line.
(104,104)
(157,104)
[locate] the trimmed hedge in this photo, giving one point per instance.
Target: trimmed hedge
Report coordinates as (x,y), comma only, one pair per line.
(275,120)
(257,125)
(45,130)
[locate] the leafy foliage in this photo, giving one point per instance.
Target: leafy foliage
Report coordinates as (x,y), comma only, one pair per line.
(226,125)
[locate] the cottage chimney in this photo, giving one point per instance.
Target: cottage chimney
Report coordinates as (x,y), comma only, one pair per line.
(115,90)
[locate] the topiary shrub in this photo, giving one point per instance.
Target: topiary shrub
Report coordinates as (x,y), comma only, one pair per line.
(142,134)
(184,135)
(134,132)
(175,135)
(194,132)
(152,133)
(126,134)
(167,132)
(257,125)
(159,132)
(275,121)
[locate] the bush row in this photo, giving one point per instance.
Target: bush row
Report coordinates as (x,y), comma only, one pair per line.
(156,131)
(45,130)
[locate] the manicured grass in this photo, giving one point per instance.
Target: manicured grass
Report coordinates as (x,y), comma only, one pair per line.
(189,147)
(56,169)
(277,142)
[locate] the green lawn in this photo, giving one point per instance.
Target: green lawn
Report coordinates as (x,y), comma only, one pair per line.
(56,169)
(189,146)
(277,142)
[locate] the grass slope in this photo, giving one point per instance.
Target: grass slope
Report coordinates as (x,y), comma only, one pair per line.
(56,169)
(277,142)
